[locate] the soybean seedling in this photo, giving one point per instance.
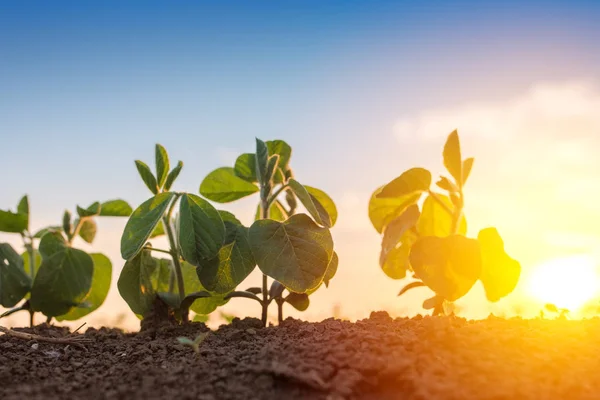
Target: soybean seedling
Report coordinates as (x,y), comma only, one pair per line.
(197,233)
(294,249)
(194,344)
(429,241)
(55,279)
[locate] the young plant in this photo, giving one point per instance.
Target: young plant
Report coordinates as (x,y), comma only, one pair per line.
(56,279)
(196,233)
(295,250)
(194,344)
(430,241)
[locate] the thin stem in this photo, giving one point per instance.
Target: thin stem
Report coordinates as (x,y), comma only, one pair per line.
(77,229)
(244,294)
(274,195)
(280,311)
(74,341)
(457,215)
(25,306)
(265,288)
(440,202)
(175,254)
(158,250)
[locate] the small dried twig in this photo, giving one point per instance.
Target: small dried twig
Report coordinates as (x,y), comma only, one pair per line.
(77,330)
(75,341)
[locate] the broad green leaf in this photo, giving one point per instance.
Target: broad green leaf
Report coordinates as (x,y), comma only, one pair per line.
(115,208)
(295,252)
(161,275)
(147,176)
(162,164)
(88,230)
(299,301)
(395,263)
(276,212)
(204,305)
(331,269)
(14,282)
(226,216)
(100,286)
(62,282)
(173,175)
(500,273)
(466,168)
(411,182)
(396,230)
(92,210)
(312,205)
(52,243)
(232,264)
(135,283)
(382,211)
(200,318)
(447,265)
(262,160)
(201,229)
(13,223)
(325,201)
(245,167)
(66,223)
(142,223)
(223,186)
(453,157)
(435,220)
(23,208)
(43,231)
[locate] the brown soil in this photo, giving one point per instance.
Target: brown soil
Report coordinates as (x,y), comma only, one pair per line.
(377,358)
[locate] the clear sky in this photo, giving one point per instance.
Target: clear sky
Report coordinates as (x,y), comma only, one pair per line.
(362,90)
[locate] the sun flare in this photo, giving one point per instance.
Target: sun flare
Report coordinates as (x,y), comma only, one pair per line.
(567,282)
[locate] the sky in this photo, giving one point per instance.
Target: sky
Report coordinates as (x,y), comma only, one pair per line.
(362,90)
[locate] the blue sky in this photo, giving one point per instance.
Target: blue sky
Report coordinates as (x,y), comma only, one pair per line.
(86,88)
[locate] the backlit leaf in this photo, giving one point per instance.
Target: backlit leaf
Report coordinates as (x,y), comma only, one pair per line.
(395,263)
(147,176)
(396,229)
(500,273)
(299,301)
(23,208)
(325,201)
(312,205)
(14,282)
(88,230)
(223,186)
(245,167)
(412,181)
(435,220)
(453,157)
(115,208)
(13,223)
(466,168)
(262,161)
(295,252)
(382,211)
(135,282)
(91,211)
(173,175)
(276,212)
(162,165)
(142,223)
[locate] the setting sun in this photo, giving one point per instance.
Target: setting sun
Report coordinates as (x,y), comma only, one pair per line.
(567,282)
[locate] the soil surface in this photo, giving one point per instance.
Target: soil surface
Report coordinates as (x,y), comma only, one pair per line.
(376,358)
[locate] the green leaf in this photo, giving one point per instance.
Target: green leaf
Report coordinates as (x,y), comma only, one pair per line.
(233,263)
(276,212)
(91,211)
(162,164)
(142,223)
(331,269)
(226,216)
(299,301)
(88,230)
(223,186)
(325,201)
(159,230)
(382,211)
(14,282)
(13,223)
(66,223)
(466,169)
(396,230)
(115,208)
(135,282)
(245,167)
(395,263)
(500,273)
(204,305)
(23,208)
(147,176)
(312,205)
(100,286)
(295,252)
(43,231)
(173,175)
(254,290)
(276,290)
(262,160)
(411,182)
(412,285)
(62,282)
(453,157)
(435,219)
(282,149)
(201,230)
(27,265)
(52,243)
(449,266)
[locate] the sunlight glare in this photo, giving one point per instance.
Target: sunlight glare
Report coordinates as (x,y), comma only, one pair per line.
(567,282)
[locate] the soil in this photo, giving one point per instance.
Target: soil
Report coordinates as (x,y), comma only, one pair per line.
(376,358)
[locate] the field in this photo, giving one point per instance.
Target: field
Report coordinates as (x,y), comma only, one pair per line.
(376,358)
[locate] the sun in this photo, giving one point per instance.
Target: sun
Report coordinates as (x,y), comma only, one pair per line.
(567,282)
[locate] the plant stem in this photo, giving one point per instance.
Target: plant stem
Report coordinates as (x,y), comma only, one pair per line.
(175,254)
(277,193)
(158,250)
(280,311)
(265,288)
(76,230)
(435,197)
(457,214)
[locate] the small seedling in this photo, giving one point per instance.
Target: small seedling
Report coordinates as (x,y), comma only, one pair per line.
(430,242)
(194,344)
(561,313)
(294,249)
(55,279)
